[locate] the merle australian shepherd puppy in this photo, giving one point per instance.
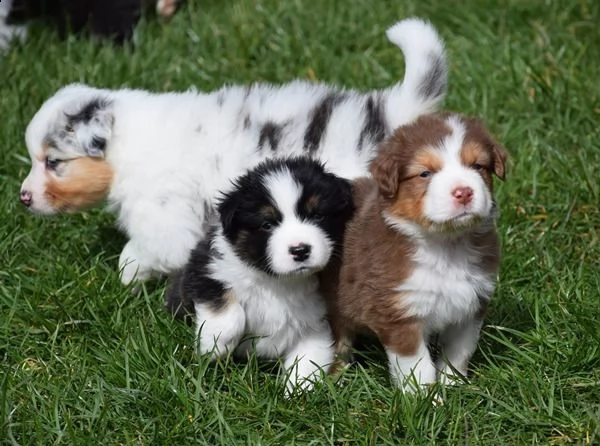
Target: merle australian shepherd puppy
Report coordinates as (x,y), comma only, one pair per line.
(253,283)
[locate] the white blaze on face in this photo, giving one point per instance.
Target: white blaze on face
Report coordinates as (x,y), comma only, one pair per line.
(295,246)
(440,204)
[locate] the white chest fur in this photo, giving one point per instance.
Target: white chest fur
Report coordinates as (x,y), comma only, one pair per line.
(446,284)
(278,311)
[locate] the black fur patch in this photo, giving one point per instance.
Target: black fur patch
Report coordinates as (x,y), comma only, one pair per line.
(194,285)
(374,126)
(270,133)
(320,120)
(433,84)
(87,113)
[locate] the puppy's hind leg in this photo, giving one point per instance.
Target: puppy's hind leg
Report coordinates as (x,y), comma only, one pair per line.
(312,354)
(220,325)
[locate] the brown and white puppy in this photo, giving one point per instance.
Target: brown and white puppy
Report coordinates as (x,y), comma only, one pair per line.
(421,253)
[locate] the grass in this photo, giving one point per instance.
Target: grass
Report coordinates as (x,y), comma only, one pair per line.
(86,361)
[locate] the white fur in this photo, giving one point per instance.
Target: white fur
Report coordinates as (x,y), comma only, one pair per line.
(285,193)
(412,371)
(439,205)
(172,152)
(282,317)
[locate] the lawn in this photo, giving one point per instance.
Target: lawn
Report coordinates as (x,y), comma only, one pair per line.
(87,361)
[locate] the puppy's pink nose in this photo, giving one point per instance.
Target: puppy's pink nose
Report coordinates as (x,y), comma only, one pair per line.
(26,198)
(463,195)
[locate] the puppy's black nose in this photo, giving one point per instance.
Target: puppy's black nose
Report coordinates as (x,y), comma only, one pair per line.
(26,198)
(300,252)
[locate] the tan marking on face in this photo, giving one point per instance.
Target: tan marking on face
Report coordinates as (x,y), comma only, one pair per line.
(84,182)
(410,197)
(268,212)
(312,203)
(473,153)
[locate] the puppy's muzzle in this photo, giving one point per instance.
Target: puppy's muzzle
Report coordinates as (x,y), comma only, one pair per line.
(26,198)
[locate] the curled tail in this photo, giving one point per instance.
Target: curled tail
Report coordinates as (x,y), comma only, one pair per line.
(426,73)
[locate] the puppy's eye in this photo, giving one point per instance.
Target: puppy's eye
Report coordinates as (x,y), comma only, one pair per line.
(425,174)
(315,216)
(266,226)
(478,166)
(69,128)
(52,163)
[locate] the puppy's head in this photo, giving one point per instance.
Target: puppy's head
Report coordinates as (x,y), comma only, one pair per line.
(435,175)
(67,140)
(287,217)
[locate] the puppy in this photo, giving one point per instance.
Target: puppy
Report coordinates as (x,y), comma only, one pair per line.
(109,19)
(429,263)
(253,282)
(159,159)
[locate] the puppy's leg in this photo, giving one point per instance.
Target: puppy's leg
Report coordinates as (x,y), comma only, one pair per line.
(410,362)
(312,354)
(344,335)
(220,325)
(458,343)
(130,267)
(162,237)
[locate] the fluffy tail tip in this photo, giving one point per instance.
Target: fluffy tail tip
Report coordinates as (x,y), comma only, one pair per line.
(415,32)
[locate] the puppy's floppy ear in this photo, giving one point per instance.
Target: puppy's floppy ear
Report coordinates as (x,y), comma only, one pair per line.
(385,169)
(346,198)
(228,207)
(499,156)
(92,126)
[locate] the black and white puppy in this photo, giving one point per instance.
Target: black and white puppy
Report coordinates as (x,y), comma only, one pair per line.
(253,283)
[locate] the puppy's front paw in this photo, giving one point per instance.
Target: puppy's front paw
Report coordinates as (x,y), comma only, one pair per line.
(451,377)
(295,385)
(130,268)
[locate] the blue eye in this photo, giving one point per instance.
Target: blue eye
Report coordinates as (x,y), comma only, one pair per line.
(425,174)
(52,163)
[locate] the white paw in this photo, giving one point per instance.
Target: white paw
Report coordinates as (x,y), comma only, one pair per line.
(450,377)
(130,268)
(295,385)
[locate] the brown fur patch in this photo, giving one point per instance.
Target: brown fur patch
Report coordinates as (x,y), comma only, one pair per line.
(478,134)
(84,182)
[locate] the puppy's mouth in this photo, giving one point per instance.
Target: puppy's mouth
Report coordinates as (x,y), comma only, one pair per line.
(459,223)
(301,272)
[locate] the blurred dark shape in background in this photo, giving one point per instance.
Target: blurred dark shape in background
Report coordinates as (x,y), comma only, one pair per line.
(110,19)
